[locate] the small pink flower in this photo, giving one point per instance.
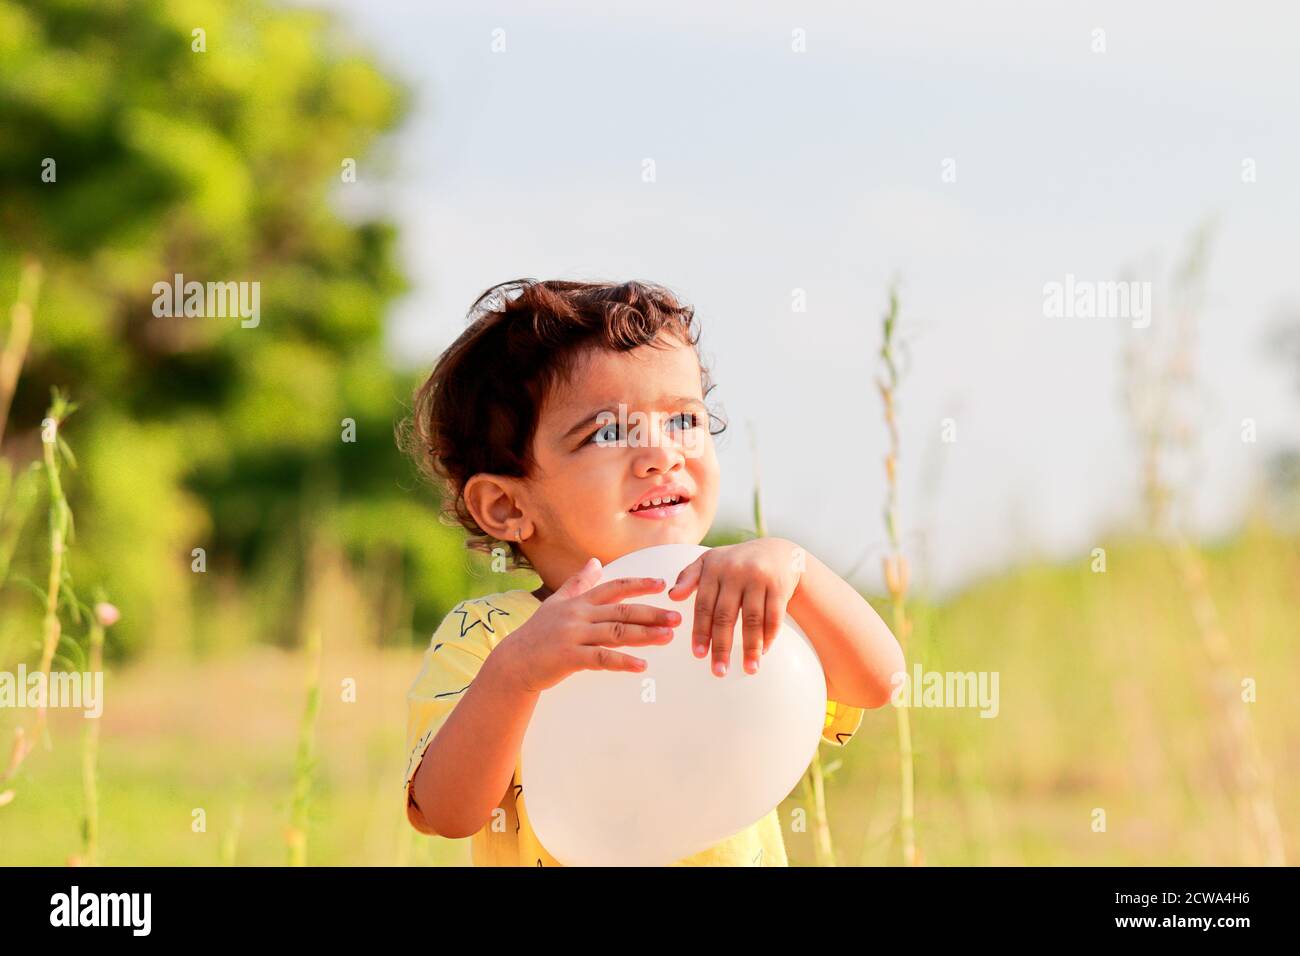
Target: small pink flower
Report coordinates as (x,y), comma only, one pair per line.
(107,614)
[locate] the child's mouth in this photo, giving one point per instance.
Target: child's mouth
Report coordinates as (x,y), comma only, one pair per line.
(672,506)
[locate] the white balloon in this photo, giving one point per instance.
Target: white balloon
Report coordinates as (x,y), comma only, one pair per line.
(647,768)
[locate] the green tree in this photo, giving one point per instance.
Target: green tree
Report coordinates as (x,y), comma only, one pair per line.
(211,139)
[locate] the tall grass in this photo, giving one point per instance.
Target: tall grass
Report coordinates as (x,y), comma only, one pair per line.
(17,500)
(1051,628)
(17,496)
(18,338)
(897,573)
(13,512)
(103,616)
(305,761)
(1161,392)
(58,586)
(304,765)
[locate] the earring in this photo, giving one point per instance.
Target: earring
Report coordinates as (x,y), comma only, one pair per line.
(519,535)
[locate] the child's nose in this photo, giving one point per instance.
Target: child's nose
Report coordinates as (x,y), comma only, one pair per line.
(660,456)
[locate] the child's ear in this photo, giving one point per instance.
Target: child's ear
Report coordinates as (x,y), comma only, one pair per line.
(491,499)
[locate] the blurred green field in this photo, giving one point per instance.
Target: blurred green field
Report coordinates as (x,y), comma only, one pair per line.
(1104,704)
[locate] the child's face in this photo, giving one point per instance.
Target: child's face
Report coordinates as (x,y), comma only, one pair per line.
(596,460)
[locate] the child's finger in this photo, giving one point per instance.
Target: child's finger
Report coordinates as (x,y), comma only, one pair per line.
(618,634)
(752,619)
(611,592)
(687,580)
(580,580)
(636,614)
(725,612)
(773,616)
(596,658)
(706,595)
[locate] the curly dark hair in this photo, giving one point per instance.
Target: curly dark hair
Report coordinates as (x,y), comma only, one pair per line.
(478,410)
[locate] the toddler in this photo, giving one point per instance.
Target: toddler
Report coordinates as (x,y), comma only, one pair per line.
(523,422)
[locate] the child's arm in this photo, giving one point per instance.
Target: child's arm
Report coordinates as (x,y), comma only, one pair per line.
(470,761)
(857,650)
(468,765)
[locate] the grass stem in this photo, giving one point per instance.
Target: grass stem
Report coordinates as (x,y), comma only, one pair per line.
(897,574)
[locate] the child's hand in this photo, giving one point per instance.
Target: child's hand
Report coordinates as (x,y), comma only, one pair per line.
(753,580)
(575,627)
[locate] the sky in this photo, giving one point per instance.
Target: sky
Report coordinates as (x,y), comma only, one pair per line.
(975,152)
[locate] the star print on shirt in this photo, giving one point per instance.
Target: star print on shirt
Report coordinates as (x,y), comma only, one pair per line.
(463,611)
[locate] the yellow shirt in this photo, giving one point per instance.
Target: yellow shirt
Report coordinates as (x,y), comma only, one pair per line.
(459,646)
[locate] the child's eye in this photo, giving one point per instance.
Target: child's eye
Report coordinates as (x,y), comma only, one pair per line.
(692,420)
(610,435)
(606,434)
